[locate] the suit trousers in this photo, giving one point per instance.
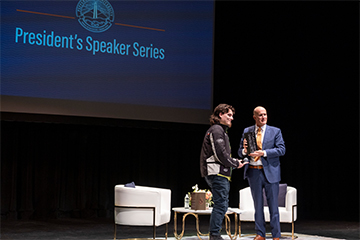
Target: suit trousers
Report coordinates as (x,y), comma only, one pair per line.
(257,181)
(220,188)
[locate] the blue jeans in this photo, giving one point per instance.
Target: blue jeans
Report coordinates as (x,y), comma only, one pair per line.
(220,188)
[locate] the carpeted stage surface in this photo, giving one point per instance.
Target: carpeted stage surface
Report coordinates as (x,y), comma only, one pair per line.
(299,237)
(104,229)
(251,237)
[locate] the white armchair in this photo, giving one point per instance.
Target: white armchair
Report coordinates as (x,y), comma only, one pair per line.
(142,206)
(288,214)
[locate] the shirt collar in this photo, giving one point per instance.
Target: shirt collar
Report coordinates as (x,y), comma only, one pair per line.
(262,128)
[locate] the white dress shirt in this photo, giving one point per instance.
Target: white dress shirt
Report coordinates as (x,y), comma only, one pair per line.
(258,162)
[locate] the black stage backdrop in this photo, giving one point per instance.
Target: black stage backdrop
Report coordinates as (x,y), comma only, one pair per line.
(297,59)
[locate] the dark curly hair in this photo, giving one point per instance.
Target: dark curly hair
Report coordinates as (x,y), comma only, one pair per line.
(221,108)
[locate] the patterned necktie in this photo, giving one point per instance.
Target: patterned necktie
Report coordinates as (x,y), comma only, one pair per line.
(258,142)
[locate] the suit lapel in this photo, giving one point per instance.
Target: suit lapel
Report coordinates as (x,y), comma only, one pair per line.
(266,135)
(252,129)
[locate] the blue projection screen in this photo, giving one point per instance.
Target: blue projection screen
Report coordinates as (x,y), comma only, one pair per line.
(148,60)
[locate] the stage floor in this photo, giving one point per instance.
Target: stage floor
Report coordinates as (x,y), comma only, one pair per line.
(103,228)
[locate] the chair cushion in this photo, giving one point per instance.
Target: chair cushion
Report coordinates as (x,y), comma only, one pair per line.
(282,195)
(132,185)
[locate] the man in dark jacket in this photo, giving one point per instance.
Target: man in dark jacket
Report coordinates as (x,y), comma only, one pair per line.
(216,164)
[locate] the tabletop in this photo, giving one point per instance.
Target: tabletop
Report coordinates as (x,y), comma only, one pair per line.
(207,211)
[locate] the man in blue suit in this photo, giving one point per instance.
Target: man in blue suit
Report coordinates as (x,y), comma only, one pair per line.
(263,171)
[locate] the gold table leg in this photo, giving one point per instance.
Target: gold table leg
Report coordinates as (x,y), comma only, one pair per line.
(179,236)
(227,226)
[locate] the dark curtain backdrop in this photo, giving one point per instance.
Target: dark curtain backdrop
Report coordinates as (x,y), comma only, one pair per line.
(300,60)
(70,170)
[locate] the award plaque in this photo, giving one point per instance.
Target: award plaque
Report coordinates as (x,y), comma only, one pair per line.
(251,142)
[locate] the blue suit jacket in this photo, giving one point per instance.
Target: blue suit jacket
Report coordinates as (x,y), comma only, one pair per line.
(274,146)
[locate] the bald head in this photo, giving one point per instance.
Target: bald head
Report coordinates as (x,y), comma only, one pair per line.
(260,116)
(258,108)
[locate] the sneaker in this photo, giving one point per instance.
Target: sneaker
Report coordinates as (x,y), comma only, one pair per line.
(215,237)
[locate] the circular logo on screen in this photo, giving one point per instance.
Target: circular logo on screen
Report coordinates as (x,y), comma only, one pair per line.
(95,15)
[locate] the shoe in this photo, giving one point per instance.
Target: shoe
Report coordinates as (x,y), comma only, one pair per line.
(258,237)
(215,237)
(276,238)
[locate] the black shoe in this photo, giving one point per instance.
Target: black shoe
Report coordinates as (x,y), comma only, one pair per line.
(215,237)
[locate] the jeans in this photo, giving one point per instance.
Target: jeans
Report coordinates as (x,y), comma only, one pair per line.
(220,187)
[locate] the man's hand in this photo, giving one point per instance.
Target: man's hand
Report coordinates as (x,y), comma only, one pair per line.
(258,153)
(242,163)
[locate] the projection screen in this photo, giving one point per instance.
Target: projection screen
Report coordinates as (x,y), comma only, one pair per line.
(145,60)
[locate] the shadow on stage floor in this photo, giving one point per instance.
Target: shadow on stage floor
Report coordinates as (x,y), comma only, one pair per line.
(99,228)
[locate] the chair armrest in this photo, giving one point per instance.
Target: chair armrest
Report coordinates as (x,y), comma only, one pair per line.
(291,196)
